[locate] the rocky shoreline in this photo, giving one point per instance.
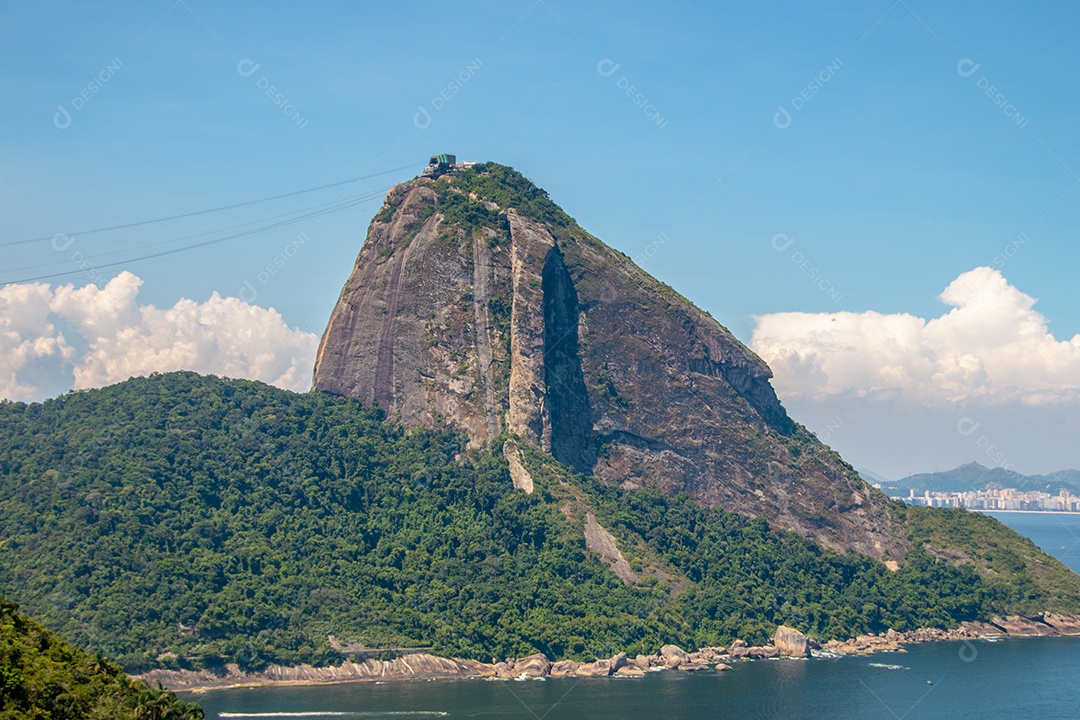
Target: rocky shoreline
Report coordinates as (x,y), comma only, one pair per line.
(788,642)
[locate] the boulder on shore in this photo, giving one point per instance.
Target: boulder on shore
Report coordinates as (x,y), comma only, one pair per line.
(790,642)
(564,668)
(738,649)
(762,652)
(693,666)
(536,665)
(600,668)
(670,651)
(630,671)
(673,656)
(711,654)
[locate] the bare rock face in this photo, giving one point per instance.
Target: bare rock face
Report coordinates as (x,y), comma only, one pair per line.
(1065,625)
(478,301)
(564,668)
(408,667)
(1020,626)
(628,671)
(673,651)
(790,642)
(518,474)
(529,247)
(409,333)
(533,666)
(601,542)
(693,667)
(762,652)
(738,649)
(599,668)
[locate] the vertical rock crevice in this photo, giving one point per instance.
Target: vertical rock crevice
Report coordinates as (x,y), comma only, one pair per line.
(483,328)
(527,413)
(567,399)
(384,390)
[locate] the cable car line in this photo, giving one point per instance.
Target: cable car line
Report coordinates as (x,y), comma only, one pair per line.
(204,212)
(306,213)
(206,243)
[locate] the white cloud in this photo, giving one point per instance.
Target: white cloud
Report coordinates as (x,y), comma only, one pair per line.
(900,394)
(992,347)
(29,344)
(222,336)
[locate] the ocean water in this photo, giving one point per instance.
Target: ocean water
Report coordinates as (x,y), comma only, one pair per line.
(1021,678)
(1056,533)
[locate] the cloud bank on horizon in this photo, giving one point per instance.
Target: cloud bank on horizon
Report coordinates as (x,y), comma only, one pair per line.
(54,340)
(894,392)
(992,348)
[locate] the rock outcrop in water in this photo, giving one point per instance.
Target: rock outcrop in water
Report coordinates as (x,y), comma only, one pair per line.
(477,302)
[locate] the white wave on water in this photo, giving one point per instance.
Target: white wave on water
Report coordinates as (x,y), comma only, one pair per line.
(332,713)
(285,714)
(888,667)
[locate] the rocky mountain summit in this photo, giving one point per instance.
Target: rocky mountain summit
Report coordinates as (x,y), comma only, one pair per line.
(519,445)
(478,302)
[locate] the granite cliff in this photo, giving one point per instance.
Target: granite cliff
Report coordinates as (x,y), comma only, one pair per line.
(478,302)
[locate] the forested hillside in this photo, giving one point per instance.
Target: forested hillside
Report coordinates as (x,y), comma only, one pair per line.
(181,520)
(45,678)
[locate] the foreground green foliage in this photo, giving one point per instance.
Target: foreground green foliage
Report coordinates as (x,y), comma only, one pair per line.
(189,521)
(44,678)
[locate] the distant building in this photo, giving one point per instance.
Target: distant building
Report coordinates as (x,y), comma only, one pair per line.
(995,498)
(445,164)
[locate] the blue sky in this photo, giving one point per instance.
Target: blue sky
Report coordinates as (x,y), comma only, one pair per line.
(791,158)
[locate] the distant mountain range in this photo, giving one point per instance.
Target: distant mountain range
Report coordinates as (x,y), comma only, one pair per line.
(974,476)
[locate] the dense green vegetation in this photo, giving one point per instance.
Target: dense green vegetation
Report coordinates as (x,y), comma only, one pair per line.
(230,520)
(507,188)
(44,678)
(459,210)
(188,521)
(748,578)
(1026,580)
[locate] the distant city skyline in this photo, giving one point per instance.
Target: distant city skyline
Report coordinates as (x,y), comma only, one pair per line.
(997,499)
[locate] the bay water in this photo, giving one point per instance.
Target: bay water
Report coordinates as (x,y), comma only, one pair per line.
(1018,678)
